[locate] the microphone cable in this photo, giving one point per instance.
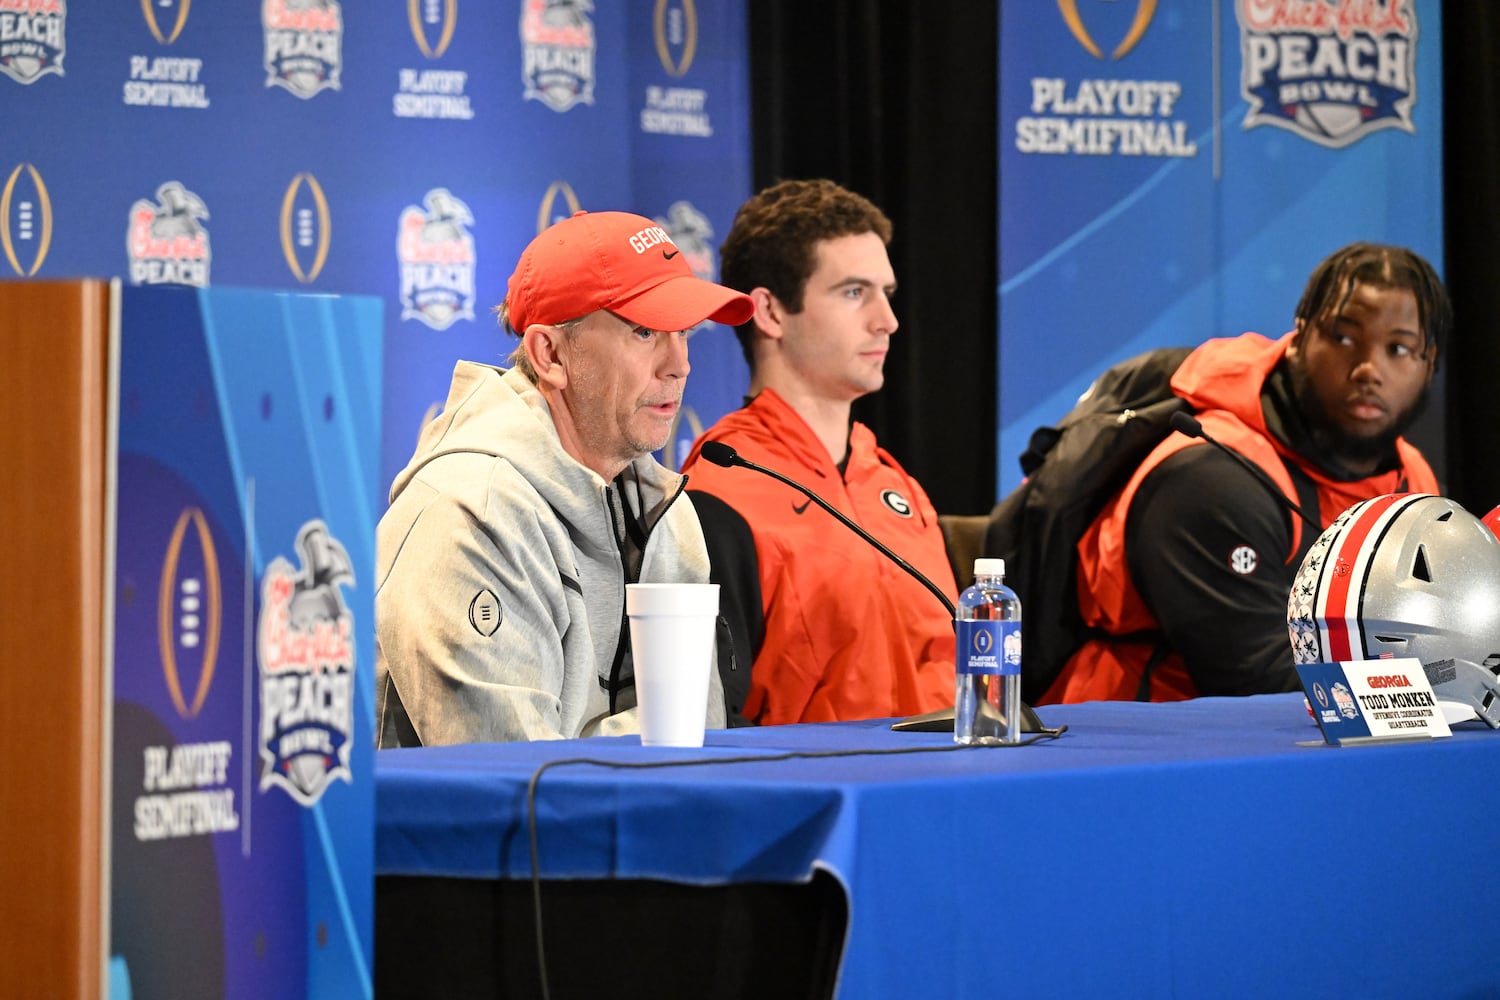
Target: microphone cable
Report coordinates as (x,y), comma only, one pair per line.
(724,455)
(1185,423)
(727,457)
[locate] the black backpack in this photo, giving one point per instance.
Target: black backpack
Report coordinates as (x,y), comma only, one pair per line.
(1072,470)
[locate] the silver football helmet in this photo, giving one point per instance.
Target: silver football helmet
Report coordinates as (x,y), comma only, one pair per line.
(1406,574)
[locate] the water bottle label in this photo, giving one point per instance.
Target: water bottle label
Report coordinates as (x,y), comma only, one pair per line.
(989,647)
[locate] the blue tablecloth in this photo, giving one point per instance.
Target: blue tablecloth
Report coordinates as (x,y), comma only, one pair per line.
(1191,850)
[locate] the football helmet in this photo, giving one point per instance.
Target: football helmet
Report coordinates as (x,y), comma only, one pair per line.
(1406,574)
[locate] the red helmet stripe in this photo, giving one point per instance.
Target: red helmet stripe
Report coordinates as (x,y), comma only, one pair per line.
(1337,612)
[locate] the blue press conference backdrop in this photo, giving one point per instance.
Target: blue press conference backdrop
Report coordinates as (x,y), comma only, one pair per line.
(1172,170)
(406,150)
(392,159)
(242,777)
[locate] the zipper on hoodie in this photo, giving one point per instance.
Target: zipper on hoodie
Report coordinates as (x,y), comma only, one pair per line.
(639,532)
(616,518)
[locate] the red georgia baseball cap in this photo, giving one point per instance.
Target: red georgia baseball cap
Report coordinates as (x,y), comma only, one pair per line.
(617,261)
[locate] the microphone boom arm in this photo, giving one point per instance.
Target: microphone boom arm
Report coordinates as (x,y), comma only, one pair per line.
(941,720)
(1185,423)
(848,523)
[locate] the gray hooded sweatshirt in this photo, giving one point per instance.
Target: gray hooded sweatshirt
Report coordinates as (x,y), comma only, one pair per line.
(501,569)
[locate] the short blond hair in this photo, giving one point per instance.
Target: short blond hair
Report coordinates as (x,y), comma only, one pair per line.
(518,357)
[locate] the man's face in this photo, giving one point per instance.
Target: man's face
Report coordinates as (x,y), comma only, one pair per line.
(837,344)
(1361,375)
(624,388)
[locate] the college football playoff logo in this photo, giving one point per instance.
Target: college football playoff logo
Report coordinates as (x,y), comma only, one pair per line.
(549,212)
(1144,10)
(306,227)
(422,14)
(148,10)
(25,220)
(189,610)
(675,26)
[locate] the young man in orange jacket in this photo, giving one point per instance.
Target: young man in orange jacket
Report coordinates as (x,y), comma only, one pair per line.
(836,630)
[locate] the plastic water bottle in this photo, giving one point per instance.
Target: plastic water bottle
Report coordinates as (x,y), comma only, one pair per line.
(987,689)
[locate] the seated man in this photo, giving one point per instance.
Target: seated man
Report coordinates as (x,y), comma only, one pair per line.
(1190,565)
(532,500)
(838,630)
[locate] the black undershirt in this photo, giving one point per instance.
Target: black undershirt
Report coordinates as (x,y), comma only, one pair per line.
(735,567)
(1197,525)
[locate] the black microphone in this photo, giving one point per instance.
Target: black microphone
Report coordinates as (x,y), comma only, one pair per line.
(1186,423)
(720,453)
(941,720)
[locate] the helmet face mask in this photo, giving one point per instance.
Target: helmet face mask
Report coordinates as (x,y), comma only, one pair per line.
(1468,683)
(1406,575)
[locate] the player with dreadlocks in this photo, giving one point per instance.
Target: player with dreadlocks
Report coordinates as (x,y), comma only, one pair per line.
(1183,578)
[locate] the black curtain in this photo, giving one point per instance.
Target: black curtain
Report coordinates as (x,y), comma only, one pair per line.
(897,102)
(1471,221)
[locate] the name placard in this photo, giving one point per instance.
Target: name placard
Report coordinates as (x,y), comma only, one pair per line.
(1363,701)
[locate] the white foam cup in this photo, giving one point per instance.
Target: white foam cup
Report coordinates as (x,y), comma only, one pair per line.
(672,643)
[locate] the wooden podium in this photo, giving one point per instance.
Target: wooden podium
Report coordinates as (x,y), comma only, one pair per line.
(54,437)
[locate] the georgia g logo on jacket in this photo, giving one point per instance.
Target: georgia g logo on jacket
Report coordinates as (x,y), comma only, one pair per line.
(896,502)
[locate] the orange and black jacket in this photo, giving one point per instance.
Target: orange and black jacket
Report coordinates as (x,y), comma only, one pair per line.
(1184,575)
(837,631)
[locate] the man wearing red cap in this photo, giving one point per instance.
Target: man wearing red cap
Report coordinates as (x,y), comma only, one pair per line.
(533,499)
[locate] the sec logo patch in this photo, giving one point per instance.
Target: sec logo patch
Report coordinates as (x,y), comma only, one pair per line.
(1243,560)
